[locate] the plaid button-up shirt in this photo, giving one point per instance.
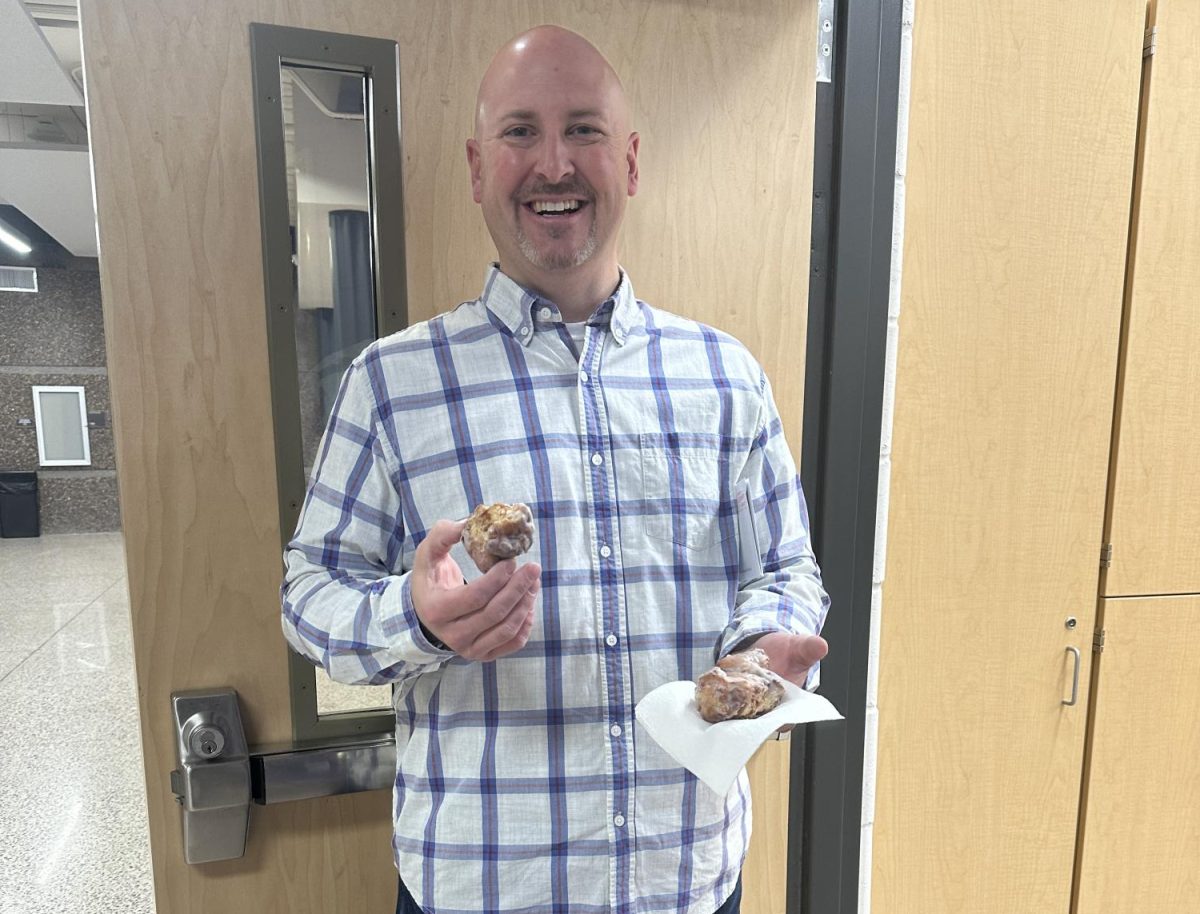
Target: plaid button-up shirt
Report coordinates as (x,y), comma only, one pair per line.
(670,528)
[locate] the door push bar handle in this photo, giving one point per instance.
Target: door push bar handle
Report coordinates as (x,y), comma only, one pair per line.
(219,776)
(1074,678)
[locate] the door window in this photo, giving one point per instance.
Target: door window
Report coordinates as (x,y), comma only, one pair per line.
(326,109)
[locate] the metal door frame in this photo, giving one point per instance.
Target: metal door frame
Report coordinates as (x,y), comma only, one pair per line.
(377,60)
(849,284)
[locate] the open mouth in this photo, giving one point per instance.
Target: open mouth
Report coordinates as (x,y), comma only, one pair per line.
(555,209)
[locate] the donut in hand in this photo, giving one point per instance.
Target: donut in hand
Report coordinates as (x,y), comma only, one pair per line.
(498,532)
(739,686)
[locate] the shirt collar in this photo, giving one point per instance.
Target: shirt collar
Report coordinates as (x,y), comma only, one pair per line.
(519,310)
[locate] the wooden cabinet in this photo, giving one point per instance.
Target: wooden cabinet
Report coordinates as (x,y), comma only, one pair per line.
(1141,834)
(1155,530)
(1021,136)
(1030,285)
(1140,831)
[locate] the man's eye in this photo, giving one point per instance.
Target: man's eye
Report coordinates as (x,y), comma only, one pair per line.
(585,130)
(518,133)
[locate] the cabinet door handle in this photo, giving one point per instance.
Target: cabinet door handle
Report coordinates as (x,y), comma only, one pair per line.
(1074,678)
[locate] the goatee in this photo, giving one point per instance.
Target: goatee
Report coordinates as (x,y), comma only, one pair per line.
(557,260)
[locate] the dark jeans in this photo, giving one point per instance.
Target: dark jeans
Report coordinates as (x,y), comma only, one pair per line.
(406,905)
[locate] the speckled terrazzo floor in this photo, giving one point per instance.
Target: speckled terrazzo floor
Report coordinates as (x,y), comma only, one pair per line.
(72,800)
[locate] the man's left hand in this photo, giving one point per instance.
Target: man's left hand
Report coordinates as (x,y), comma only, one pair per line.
(791,656)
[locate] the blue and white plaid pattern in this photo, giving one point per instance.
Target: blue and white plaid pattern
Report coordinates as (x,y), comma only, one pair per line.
(524,784)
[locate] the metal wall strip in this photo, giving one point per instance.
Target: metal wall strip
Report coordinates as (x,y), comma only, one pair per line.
(848,305)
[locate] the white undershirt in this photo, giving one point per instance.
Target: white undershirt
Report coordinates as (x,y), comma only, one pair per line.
(577,331)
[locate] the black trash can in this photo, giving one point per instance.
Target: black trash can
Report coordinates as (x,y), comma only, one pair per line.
(19,505)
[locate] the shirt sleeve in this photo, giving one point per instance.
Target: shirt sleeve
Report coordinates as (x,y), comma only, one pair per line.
(779,583)
(347,604)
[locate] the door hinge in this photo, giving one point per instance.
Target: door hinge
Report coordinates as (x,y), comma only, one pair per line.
(1150,41)
(1106,555)
(1098,642)
(825,13)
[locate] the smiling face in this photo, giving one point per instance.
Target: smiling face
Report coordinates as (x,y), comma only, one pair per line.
(553,161)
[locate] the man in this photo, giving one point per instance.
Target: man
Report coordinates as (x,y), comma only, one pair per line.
(670,530)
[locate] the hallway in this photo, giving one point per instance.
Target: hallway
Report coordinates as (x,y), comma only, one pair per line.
(72,805)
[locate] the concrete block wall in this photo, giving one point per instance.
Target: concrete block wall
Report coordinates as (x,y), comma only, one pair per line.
(870,749)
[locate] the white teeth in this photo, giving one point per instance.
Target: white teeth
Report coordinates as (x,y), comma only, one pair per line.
(563,206)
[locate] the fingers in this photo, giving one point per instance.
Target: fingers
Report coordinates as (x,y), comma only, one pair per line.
(497,614)
(483,590)
(525,608)
(444,605)
(452,603)
(810,650)
(791,656)
(441,539)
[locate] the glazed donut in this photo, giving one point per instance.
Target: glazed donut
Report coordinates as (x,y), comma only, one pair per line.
(739,686)
(497,532)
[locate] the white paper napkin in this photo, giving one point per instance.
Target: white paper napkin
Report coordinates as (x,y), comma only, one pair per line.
(715,753)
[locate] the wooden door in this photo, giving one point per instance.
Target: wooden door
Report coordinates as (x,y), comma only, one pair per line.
(718,230)
(1141,839)
(1020,162)
(1155,526)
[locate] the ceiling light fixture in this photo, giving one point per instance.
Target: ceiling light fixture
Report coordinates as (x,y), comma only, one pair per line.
(13,240)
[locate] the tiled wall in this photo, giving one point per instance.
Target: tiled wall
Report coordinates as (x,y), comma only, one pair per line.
(56,336)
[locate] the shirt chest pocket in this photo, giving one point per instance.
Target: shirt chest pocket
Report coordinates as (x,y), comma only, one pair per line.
(685,496)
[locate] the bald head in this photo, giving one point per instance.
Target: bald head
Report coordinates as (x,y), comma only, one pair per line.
(537,60)
(553,162)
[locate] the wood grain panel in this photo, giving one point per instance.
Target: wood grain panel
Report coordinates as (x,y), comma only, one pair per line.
(764,875)
(1155,502)
(1020,162)
(1142,837)
(719,231)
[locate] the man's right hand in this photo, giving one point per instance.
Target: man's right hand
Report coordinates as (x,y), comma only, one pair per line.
(488,618)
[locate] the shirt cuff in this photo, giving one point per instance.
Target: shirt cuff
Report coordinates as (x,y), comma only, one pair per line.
(814,678)
(735,639)
(423,640)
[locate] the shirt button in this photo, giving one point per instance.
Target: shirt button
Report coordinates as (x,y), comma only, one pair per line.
(614,730)
(618,820)
(597,460)
(605,551)
(583,376)
(611,640)
(524,331)
(545,313)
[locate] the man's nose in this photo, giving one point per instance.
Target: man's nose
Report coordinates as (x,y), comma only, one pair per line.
(554,159)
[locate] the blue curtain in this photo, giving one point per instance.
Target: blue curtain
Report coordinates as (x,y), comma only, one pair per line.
(346,328)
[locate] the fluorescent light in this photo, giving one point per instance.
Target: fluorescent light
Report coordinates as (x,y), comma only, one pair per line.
(13,240)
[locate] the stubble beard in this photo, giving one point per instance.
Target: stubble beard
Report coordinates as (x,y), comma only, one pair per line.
(554,260)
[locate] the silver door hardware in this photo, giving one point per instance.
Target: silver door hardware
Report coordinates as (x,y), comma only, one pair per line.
(825,10)
(1150,41)
(285,774)
(1071,623)
(1098,642)
(212,782)
(1074,679)
(219,776)
(1106,555)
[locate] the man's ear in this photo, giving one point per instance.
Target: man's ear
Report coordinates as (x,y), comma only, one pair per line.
(631,154)
(475,161)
